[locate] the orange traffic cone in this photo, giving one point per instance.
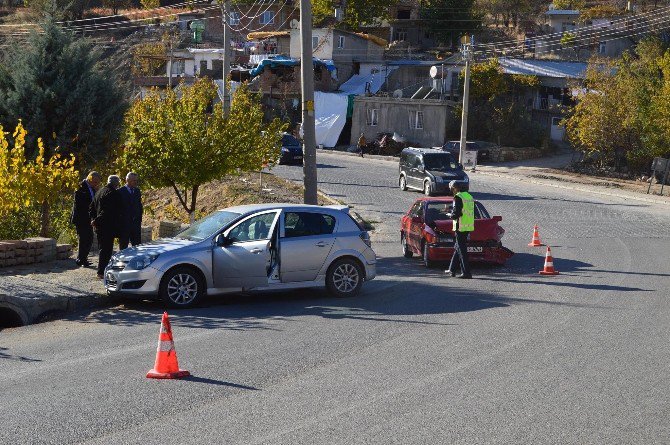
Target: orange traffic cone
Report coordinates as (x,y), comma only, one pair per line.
(549,264)
(535,242)
(166,366)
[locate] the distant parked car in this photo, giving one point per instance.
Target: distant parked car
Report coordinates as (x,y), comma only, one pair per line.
(482,148)
(291,150)
(252,247)
(429,170)
(426,231)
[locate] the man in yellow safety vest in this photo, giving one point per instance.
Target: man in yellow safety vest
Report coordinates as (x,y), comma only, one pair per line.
(463,216)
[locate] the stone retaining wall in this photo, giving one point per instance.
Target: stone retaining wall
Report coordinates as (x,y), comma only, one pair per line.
(31,251)
(504,154)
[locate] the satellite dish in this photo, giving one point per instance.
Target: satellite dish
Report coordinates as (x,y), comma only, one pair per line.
(294,24)
(397,94)
(433,71)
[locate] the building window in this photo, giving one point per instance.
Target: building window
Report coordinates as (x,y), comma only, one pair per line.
(267,18)
(315,42)
(404,14)
(602,47)
(400,35)
(340,42)
(373,117)
(234,19)
(416,120)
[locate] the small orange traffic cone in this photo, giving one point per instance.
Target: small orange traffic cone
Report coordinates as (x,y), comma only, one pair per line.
(166,366)
(549,264)
(535,242)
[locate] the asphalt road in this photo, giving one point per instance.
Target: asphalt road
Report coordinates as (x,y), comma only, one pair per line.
(510,357)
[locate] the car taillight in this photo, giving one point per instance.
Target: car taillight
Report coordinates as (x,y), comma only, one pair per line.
(365,236)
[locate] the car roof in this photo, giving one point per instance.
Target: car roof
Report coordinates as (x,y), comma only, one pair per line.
(425,150)
(444,199)
(250,208)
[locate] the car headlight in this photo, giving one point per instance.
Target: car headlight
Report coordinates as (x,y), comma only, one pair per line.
(285,150)
(141,262)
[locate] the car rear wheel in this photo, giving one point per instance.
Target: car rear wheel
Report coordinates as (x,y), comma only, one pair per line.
(406,251)
(181,287)
(403,183)
(426,258)
(344,278)
(427,189)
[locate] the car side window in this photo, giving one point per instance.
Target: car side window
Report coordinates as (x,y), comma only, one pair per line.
(416,209)
(256,228)
(298,224)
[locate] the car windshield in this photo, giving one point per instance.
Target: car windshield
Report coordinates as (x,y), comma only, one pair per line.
(288,140)
(208,225)
(440,162)
(437,211)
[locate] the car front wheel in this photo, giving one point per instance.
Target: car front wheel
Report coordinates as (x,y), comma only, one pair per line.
(426,257)
(427,189)
(344,278)
(181,287)
(403,183)
(406,251)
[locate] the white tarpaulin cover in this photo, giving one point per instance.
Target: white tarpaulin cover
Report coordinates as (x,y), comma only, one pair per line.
(330,112)
(356,84)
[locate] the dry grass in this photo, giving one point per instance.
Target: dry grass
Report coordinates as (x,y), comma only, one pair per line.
(163,205)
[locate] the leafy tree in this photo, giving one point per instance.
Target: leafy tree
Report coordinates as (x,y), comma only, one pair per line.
(569,4)
(183,142)
(115,5)
(512,12)
(150,4)
(356,12)
(495,114)
(67,9)
(54,83)
(25,183)
(630,96)
(450,19)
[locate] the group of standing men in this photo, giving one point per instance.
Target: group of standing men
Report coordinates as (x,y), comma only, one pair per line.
(112,211)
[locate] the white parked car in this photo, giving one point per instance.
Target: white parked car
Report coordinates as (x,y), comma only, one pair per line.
(253,247)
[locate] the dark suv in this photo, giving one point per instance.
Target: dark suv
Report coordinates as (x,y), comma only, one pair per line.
(291,150)
(482,148)
(429,170)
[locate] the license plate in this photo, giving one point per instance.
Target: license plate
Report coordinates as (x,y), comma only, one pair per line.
(297,157)
(475,249)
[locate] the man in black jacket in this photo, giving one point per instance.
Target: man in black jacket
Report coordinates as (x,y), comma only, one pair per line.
(106,214)
(131,196)
(80,217)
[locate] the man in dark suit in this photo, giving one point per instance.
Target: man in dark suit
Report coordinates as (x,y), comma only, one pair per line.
(80,217)
(131,196)
(106,214)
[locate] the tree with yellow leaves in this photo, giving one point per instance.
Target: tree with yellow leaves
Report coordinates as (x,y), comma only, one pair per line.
(26,183)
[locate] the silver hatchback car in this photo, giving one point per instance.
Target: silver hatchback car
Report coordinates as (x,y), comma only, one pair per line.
(253,247)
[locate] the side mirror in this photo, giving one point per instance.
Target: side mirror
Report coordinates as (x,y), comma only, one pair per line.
(222,240)
(417,219)
(497,218)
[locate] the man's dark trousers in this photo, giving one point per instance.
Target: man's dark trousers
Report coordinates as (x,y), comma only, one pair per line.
(85,235)
(132,236)
(460,254)
(106,244)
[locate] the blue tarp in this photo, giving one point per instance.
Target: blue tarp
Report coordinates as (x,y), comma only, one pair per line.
(287,61)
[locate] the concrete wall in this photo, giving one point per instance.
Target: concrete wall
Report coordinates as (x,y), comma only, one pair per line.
(394,115)
(324,49)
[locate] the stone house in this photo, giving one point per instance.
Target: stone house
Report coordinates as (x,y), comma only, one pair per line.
(422,122)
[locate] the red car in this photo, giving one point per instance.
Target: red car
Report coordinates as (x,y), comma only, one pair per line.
(426,231)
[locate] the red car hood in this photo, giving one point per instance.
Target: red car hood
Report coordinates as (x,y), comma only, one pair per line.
(485,229)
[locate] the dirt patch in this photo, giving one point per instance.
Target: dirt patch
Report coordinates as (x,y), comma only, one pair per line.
(162,204)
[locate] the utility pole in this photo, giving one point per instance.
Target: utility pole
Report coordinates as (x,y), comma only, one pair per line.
(307,86)
(467,55)
(225,93)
